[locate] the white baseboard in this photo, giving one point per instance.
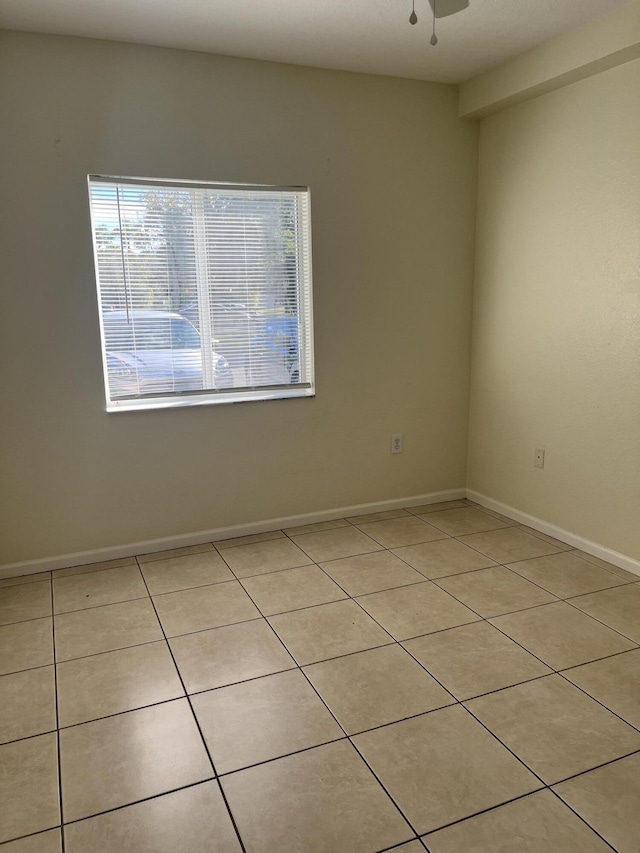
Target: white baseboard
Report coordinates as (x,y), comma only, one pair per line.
(81,558)
(586,545)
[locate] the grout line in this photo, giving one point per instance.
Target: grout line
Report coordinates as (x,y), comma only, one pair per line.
(28,669)
(21,583)
(138,802)
(197,723)
(34,835)
(212,628)
(546,663)
(583,819)
(425,835)
(124,711)
(564,669)
(29,737)
(629,754)
(22,621)
(598,701)
(496,615)
(391,642)
(55,693)
(308,562)
(398,847)
(623,582)
(595,618)
(109,651)
(384,787)
(189,588)
(99,606)
(226,773)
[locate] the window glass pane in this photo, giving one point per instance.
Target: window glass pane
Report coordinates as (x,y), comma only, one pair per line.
(202,289)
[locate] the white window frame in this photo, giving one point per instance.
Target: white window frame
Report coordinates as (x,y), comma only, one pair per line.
(305,387)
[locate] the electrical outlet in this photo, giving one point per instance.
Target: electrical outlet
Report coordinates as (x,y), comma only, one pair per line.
(538,459)
(396,444)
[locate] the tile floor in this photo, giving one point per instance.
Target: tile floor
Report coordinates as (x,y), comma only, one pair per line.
(437,678)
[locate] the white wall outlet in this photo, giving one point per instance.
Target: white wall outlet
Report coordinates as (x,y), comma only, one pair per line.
(538,459)
(396,444)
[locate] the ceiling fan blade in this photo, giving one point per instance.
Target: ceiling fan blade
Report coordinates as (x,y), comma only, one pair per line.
(444,8)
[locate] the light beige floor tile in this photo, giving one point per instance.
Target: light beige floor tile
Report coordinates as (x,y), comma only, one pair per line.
(27,704)
(442,558)
(458,522)
(317,527)
(371,572)
(443,766)
(613,681)
(44,842)
(175,552)
(437,507)
(566,574)
(227,655)
(378,516)
(194,820)
(327,631)
(277,592)
(112,762)
(97,588)
(113,682)
(271,556)
(508,545)
(623,573)
(28,786)
(560,635)
(26,645)
(632,577)
(539,823)
(376,687)
(263,719)
(411,847)
(23,602)
(619,608)
(548,539)
(492,592)
(475,659)
(21,579)
(414,610)
(251,539)
(94,567)
(402,531)
(103,629)
(607,798)
(507,519)
(205,607)
(179,573)
(554,728)
(337,543)
(331,801)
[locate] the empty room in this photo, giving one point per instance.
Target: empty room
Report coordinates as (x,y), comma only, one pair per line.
(320,470)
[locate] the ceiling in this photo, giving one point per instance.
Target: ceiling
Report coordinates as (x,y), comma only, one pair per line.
(372,36)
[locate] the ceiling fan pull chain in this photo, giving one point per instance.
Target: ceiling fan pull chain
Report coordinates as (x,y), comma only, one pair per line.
(413,18)
(434,38)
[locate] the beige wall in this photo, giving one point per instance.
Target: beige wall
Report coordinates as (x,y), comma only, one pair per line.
(392,173)
(556,333)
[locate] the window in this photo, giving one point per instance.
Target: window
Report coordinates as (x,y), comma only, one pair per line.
(204,291)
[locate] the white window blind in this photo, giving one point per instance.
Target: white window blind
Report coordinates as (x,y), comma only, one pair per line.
(204,291)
